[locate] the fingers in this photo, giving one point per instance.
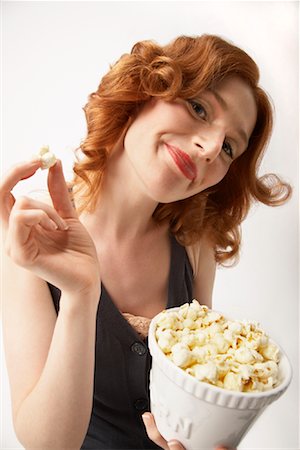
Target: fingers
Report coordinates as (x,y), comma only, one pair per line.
(59,191)
(25,215)
(175,445)
(21,226)
(153,432)
(26,206)
(19,172)
(155,435)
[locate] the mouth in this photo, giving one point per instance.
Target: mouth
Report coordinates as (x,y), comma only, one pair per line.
(182,161)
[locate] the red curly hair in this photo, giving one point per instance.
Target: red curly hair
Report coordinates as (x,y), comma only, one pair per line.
(183,68)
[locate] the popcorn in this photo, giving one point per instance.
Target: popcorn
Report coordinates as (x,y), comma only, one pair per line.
(244,355)
(168,321)
(234,355)
(211,316)
(266,369)
(270,351)
(166,340)
(181,355)
(47,158)
(199,354)
(206,372)
(189,339)
(214,329)
(200,337)
(233,382)
(235,327)
(220,343)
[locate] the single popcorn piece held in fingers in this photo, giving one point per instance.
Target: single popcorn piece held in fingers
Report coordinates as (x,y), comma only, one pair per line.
(234,355)
(47,158)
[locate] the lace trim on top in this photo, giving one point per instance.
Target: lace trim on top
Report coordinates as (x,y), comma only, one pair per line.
(139,323)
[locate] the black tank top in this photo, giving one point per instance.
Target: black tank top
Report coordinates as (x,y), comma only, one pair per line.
(122,366)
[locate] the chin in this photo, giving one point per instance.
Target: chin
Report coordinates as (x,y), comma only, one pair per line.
(168,197)
(168,189)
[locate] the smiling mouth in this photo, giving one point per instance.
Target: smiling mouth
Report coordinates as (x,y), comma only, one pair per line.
(182,161)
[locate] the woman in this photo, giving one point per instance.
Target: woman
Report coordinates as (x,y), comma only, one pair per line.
(169,171)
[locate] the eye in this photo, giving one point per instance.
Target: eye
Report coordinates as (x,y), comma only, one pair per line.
(228,149)
(198,109)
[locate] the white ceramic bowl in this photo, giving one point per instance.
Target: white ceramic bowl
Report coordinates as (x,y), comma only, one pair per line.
(198,414)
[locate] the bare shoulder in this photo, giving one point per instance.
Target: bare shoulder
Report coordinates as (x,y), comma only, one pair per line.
(202,259)
(28,322)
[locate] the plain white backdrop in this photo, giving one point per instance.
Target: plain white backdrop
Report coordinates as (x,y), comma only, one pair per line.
(54,55)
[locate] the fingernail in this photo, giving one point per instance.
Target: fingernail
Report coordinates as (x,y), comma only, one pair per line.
(173,444)
(146,417)
(34,162)
(64,225)
(53,225)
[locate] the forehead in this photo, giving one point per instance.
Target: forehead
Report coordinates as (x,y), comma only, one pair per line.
(236,97)
(233,86)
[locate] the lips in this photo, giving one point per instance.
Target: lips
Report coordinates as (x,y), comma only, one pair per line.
(182,161)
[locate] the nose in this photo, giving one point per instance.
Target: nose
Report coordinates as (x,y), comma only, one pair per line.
(210,144)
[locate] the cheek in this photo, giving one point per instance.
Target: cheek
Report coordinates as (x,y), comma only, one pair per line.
(181,118)
(132,134)
(215,174)
(219,174)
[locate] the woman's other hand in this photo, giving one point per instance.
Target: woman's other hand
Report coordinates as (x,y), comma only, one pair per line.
(48,240)
(157,438)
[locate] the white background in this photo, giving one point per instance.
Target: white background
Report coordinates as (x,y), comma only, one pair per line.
(54,54)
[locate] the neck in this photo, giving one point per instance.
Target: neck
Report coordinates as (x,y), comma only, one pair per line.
(123,209)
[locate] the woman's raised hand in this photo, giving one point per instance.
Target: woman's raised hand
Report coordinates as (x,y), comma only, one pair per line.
(49,241)
(157,438)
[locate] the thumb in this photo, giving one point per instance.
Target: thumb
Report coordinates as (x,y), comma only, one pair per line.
(58,190)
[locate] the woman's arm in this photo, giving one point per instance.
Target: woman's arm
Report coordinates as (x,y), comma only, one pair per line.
(50,360)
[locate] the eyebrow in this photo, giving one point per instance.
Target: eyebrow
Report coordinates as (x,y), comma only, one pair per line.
(242,133)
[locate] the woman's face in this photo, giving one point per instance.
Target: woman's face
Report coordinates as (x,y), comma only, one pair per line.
(179,148)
